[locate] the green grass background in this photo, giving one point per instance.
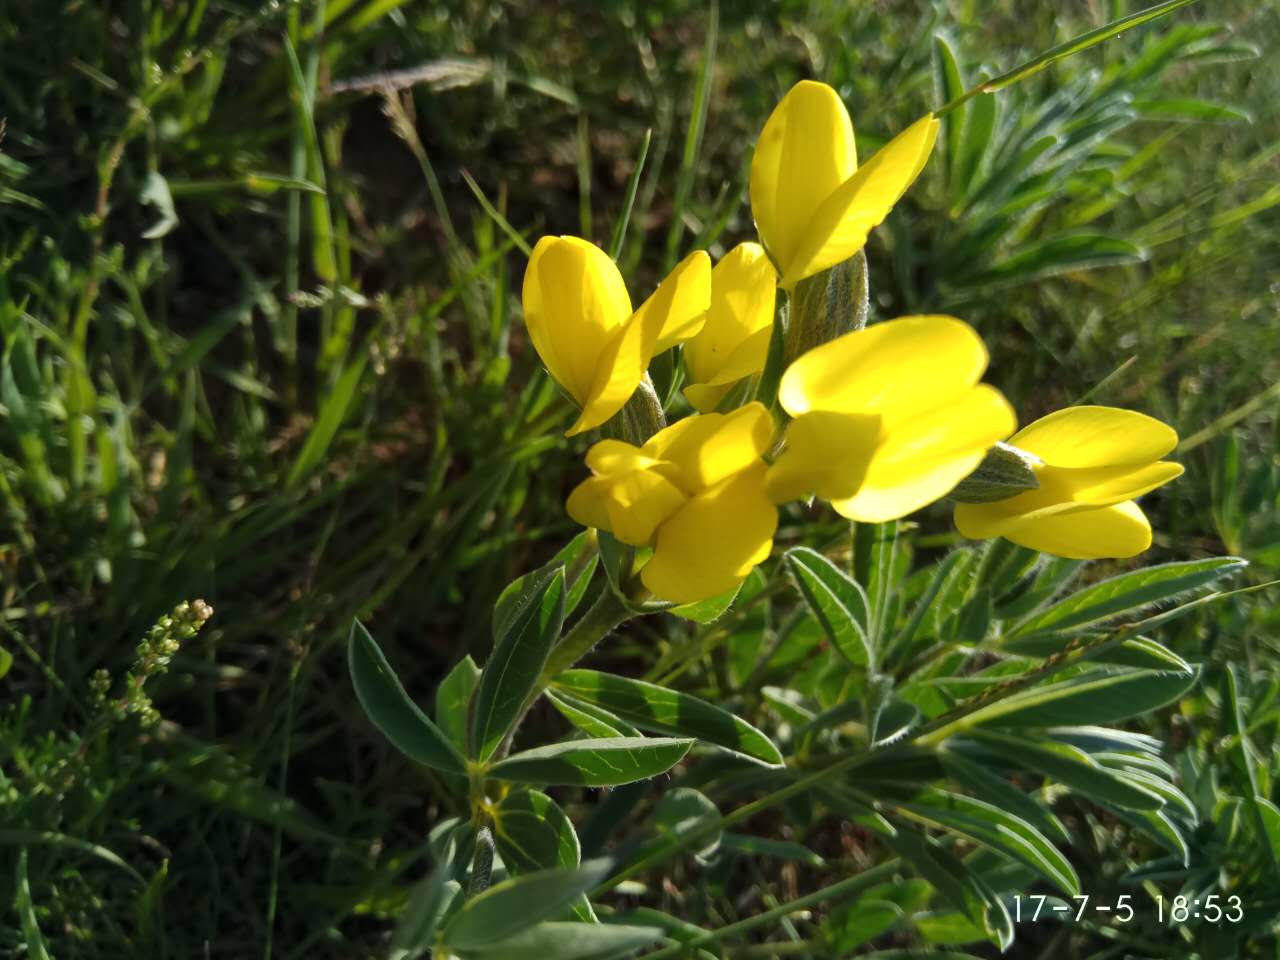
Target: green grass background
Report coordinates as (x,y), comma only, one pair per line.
(262,345)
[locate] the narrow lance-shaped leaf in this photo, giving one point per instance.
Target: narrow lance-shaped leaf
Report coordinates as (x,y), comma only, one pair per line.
(1127,593)
(997,829)
(651,707)
(590,718)
(453,701)
(996,789)
(517,661)
(579,558)
(837,602)
(571,941)
(1096,697)
(389,708)
(1072,767)
(593,763)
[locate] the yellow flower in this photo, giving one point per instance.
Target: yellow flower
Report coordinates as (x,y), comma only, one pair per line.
(734,343)
(1093,462)
(888,419)
(581,323)
(695,493)
(813,205)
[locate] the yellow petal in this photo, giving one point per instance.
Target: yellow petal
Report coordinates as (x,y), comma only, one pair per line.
(629,505)
(1101,486)
(805,151)
(677,309)
(1093,533)
(827,454)
(1096,437)
(712,446)
(574,301)
(711,543)
(743,289)
(898,368)
(616,456)
(981,521)
(838,229)
(920,460)
(705,397)
(1063,490)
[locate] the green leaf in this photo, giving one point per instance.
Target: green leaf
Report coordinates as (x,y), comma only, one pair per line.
(155,193)
(996,789)
(533,833)
(1130,592)
(389,708)
(570,941)
(1063,50)
(1073,767)
(593,763)
(861,922)
(427,906)
(836,601)
(978,128)
(764,847)
(51,838)
(1189,108)
(709,610)
(1073,251)
(948,928)
(948,84)
(579,558)
(6,661)
(1245,759)
(682,810)
(1146,654)
(517,904)
(1095,697)
(26,910)
(453,701)
(593,720)
(955,883)
(651,707)
(518,657)
(332,412)
(997,829)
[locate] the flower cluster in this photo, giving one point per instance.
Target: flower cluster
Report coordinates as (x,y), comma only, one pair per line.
(880,422)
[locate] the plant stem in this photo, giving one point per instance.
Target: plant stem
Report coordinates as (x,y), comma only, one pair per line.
(844,888)
(606,613)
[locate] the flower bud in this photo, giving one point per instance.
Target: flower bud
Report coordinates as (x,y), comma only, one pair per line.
(827,305)
(639,419)
(1005,472)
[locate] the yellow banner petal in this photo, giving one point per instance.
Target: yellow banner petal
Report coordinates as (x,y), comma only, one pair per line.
(1093,436)
(805,152)
(897,368)
(574,300)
